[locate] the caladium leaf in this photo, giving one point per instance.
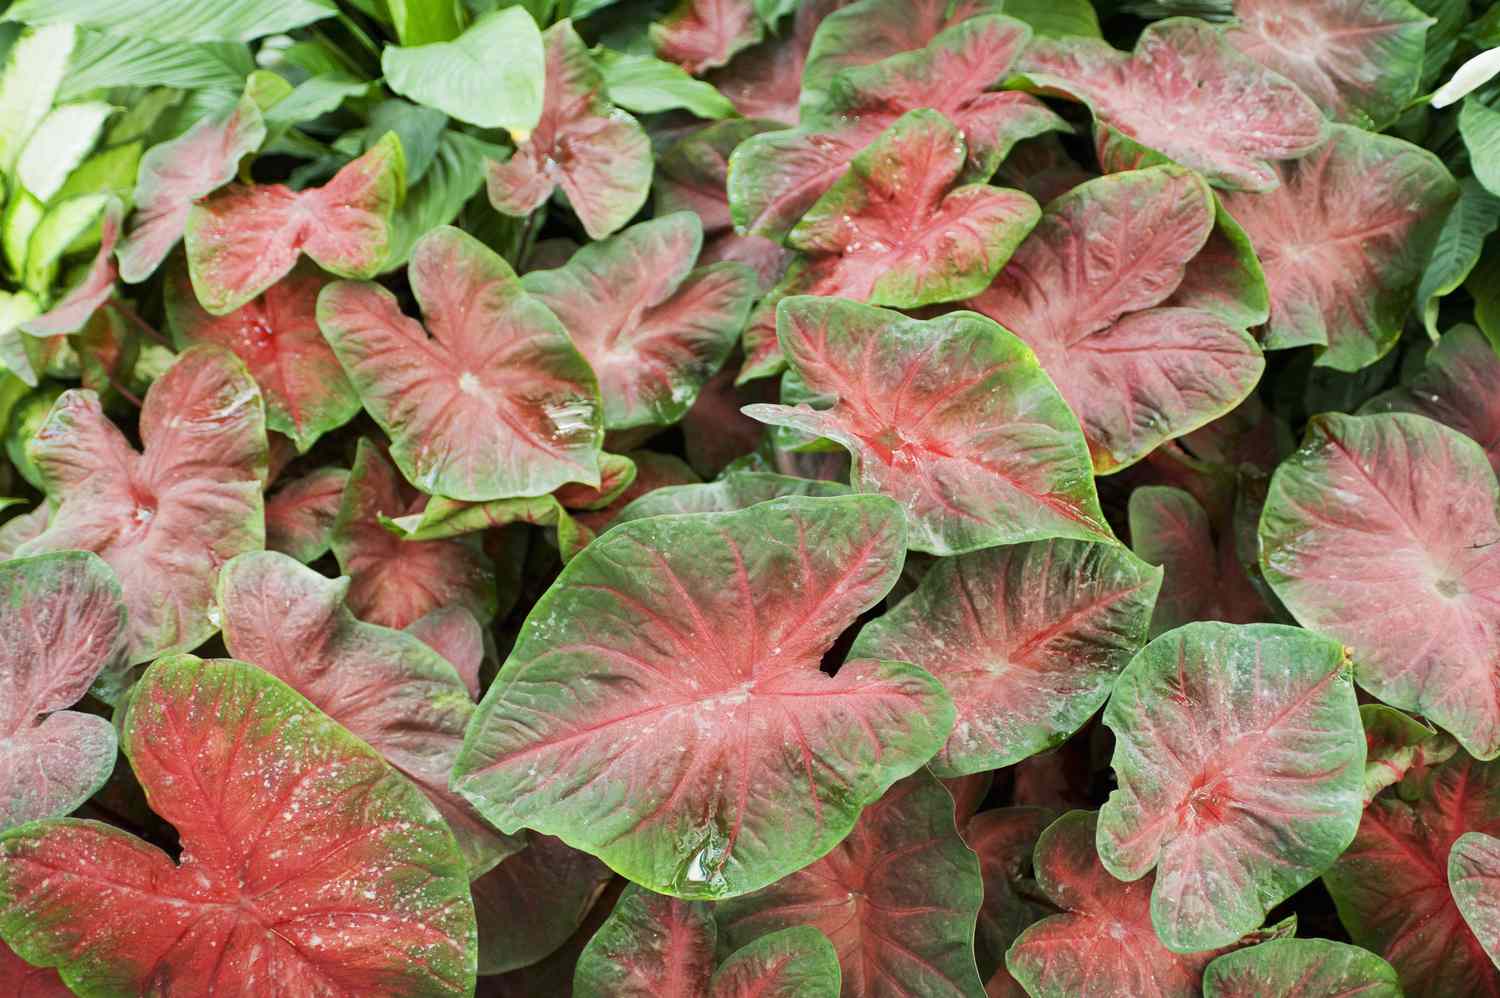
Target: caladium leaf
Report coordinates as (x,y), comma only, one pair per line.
(736,490)
(65,624)
(1102,941)
(1360,61)
(394,582)
(1203,578)
(597,154)
(1381,532)
(1396,744)
(1344,240)
(175,174)
(308,865)
(700,35)
(82,300)
(1165,100)
(765,81)
(1454,388)
(677,776)
(1300,968)
(952,416)
(649,946)
(652,328)
(798,962)
(1091,297)
(777,176)
(164,519)
(1241,763)
(245,238)
(1028,640)
(1392,889)
(496,403)
(276,336)
(896,231)
(20,979)
(389,688)
(530,904)
(1005,840)
(653,471)
(301,513)
(898,898)
(453,633)
(1474,875)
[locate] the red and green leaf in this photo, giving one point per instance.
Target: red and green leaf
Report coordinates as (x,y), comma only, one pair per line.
(898,899)
(952,416)
(176,174)
(530,904)
(496,403)
(387,687)
(1300,968)
(394,582)
(245,238)
(765,81)
(700,35)
(1028,640)
(1093,299)
(1344,238)
(19,979)
(596,154)
(895,230)
(65,625)
(735,490)
(167,517)
(1474,876)
(308,865)
(1360,61)
(1381,532)
(300,514)
(798,962)
(663,707)
(653,329)
(1240,759)
(453,633)
(1167,101)
(1455,387)
(1391,886)
(1398,745)
(651,946)
(277,337)
(1005,840)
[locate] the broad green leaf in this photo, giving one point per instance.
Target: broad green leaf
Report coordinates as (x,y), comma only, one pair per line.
(58,144)
(456,174)
(425,22)
(736,490)
(663,707)
(1056,18)
(1473,219)
(104,60)
(646,84)
(1381,532)
(177,20)
(1474,876)
(1300,968)
(1240,758)
(492,75)
(1480,127)
(1454,387)
(34,70)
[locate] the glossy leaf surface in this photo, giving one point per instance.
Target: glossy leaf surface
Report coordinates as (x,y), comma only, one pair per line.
(1300,968)
(650,946)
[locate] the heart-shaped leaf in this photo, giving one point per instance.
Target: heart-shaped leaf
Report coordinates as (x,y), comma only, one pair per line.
(1101,942)
(778,176)
(798,962)
(653,329)
(1474,876)
(453,633)
(651,946)
(1091,297)
(530,904)
(1300,968)
(898,898)
(175,174)
(276,336)
(700,35)
(1203,578)
(1361,61)
(663,707)
(1166,101)
(167,518)
(952,416)
(387,687)
(1381,532)
(308,865)
(765,81)
(1455,387)
(501,53)
(497,402)
(1344,240)
(1392,890)
(597,154)
(1005,840)
(1241,763)
(245,238)
(394,582)
(301,513)
(65,619)
(1028,640)
(896,231)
